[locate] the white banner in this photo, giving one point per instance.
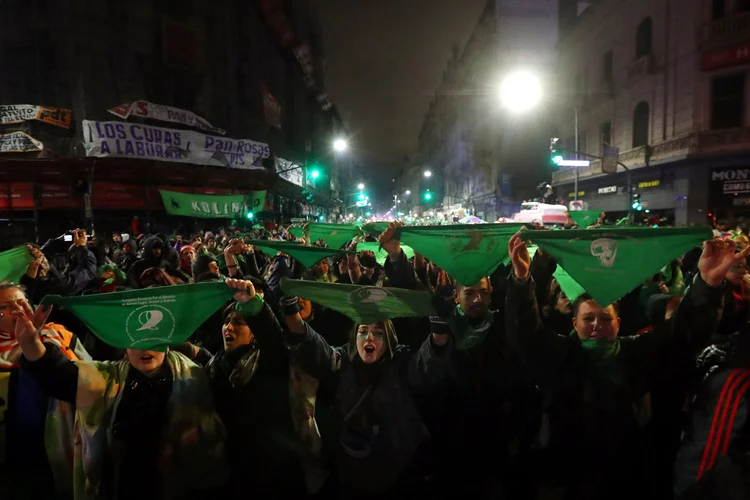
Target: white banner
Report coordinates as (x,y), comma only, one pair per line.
(17,113)
(19,142)
(146,109)
(285,169)
(146,142)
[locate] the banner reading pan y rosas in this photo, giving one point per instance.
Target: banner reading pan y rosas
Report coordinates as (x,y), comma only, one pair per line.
(211,206)
(146,142)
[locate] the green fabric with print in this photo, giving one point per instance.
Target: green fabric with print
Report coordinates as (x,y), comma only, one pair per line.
(608,263)
(363,304)
(335,235)
(307,256)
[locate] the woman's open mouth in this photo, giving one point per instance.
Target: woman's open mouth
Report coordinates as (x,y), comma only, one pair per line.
(369,349)
(146,357)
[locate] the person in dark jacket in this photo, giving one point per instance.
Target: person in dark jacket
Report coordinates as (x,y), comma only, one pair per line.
(596,384)
(154,255)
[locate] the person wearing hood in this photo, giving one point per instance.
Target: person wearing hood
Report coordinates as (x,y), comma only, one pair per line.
(128,254)
(170,254)
(154,255)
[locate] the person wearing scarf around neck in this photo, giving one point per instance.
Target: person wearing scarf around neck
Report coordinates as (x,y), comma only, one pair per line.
(145,426)
(379,438)
(596,384)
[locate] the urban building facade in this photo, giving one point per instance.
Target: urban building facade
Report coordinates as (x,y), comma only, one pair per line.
(253,69)
(467,141)
(666,84)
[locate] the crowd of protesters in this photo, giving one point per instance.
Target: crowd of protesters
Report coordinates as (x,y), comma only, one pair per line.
(511,391)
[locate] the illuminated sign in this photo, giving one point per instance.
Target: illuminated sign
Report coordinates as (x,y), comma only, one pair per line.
(648,184)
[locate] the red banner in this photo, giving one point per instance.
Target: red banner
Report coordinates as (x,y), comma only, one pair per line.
(57,196)
(111,195)
(727,56)
(16,196)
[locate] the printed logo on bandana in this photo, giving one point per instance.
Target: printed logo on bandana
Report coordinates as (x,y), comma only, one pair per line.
(369,294)
(605,249)
(148,323)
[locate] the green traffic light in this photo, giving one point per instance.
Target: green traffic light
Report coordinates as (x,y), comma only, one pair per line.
(557,159)
(428,196)
(315,174)
(250,215)
(361,197)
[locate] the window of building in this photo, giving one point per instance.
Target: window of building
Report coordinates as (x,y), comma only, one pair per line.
(640,124)
(727,101)
(605,132)
(718,9)
(608,68)
(643,38)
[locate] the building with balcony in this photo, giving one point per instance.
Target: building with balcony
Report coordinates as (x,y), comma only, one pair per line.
(467,142)
(254,69)
(666,83)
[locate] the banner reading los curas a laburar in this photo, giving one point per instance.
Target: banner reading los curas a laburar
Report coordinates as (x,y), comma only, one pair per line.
(137,140)
(211,206)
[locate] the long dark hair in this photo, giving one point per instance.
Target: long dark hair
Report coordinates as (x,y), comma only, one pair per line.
(391,338)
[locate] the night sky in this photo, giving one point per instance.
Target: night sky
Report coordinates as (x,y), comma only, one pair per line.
(385,61)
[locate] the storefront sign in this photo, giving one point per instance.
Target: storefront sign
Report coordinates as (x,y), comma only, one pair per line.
(145,142)
(146,109)
(580,193)
(648,184)
(607,190)
(17,113)
(731,180)
(725,57)
(19,142)
(736,187)
(208,206)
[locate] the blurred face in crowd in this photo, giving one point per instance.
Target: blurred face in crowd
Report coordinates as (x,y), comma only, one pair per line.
(322,267)
(214,267)
(563,303)
(235,331)
(343,268)
(596,322)
(211,245)
(305,308)
(127,248)
(146,362)
(371,342)
(188,255)
(475,300)
(736,273)
(156,252)
(10,299)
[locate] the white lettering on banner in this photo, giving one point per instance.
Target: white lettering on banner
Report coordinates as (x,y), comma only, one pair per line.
(216,209)
(737,187)
(135,140)
(164,113)
(734,174)
(19,142)
(608,189)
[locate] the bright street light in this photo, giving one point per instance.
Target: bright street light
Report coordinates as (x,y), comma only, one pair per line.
(360,186)
(340,145)
(520,91)
(427,173)
(407,193)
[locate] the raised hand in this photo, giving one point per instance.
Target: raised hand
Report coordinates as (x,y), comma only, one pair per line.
(245,290)
(29,322)
(389,242)
(718,258)
(519,256)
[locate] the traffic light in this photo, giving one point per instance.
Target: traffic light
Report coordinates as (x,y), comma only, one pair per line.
(249,215)
(427,196)
(315,173)
(637,202)
(555,152)
(361,197)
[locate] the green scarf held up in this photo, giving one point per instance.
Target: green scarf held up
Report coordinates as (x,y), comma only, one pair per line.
(153,318)
(466,252)
(608,263)
(465,335)
(13,263)
(604,356)
(335,235)
(307,256)
(363,304)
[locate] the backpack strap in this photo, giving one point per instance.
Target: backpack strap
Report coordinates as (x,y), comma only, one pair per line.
(732,392)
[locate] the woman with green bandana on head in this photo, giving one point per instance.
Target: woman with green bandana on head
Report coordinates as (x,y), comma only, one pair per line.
(597,385)
(145,426)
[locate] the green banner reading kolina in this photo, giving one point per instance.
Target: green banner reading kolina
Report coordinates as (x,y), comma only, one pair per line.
(363,304)
(608,263)
(213,206)
(153,318)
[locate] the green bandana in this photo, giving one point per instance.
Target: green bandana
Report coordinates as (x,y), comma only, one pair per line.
(13,263)
(465,335)
(375,228)
(210,206)
(467,253)
(307,256)
(335,235)
(603,354)
(363,304)
(568,285)
(153,318)
(608,263)
(380,254)
(297,232)
(584,218)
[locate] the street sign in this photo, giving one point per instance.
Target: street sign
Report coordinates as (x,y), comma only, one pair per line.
(610,159)
(574,163)
(362,203)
